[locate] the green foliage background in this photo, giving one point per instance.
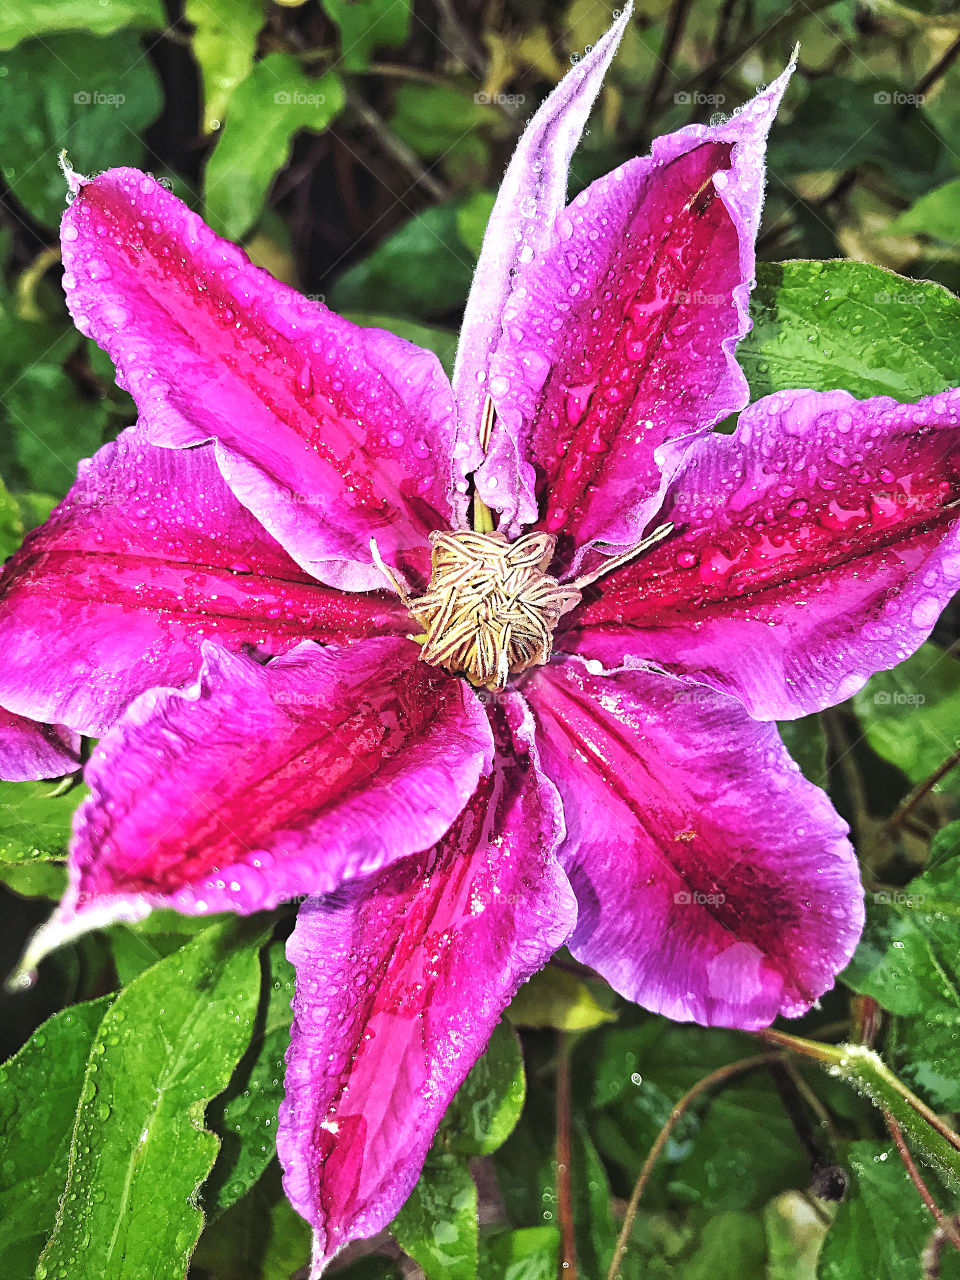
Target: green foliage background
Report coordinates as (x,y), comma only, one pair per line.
(354,147)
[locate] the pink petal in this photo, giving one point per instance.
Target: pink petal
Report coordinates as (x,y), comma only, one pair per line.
(532,194)
(264,783)
(30,750)
(329,433)
(714,883)
(812,548)
(400,981)
(620,334)
(148,554)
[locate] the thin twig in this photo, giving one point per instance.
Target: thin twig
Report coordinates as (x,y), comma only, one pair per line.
(911,800)
(397,148)
(945,1225)
(568,1245)
(943,64)
(720,1076)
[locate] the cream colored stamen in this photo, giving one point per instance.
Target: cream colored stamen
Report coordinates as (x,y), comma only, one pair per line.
(490,609)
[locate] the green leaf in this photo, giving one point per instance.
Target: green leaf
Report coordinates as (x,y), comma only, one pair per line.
(135,947)
(433,119)
(487,1105)
(437,1226)
(556,998)
(441,342)
(843,123)
(35,879)
(140,1152)
(882,1226)
(22,18)
(267,109)
(34,822)
(245,1116)
(11,523)
(934,214)
(94,95)
(807,743)
(366,25)
(530,1253)
(39,1091)
(420,270)
(909,960)
(850,325)
(472,218)
(224,44)
(911,714)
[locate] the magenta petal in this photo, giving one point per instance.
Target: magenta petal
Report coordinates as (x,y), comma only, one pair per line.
(714,883)
(815,546)
(31,750)
(620,333)
(400,980)
(147,555)
(532,193)
(328,432)
(264,783)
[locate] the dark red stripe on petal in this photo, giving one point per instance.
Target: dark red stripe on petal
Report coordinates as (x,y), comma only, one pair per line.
(330,433)
(400,980)
(149,554)
(819,541)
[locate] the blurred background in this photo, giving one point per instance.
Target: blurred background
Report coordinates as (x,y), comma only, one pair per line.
(354,148)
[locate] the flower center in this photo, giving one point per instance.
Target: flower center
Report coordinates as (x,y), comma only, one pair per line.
(490,609)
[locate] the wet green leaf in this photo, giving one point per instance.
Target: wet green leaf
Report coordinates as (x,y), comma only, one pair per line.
(34,822)
(909,960)
(934,214)
(882,1226)
(39,1092)
(140,1151)
(433,119)
(267,109)
(911,714)
(850,325)
(488,1103)
(437,1226)
(530,1253)
(94,95)
(224,44)
(22,18)
(245,1116)
(260,1238)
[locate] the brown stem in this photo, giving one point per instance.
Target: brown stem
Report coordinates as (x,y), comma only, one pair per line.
(568,1246)
(944,1223)
(943,63)
(720,1076)
(910,802)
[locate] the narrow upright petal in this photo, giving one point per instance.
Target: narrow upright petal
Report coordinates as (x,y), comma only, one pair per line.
(401,979)
(30,750)
(148,554)
(620,333)
(264,783)
(328,432)
(815,546)
(532,194)
(714,882)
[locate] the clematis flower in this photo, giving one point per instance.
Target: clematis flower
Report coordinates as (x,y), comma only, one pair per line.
(465,734)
